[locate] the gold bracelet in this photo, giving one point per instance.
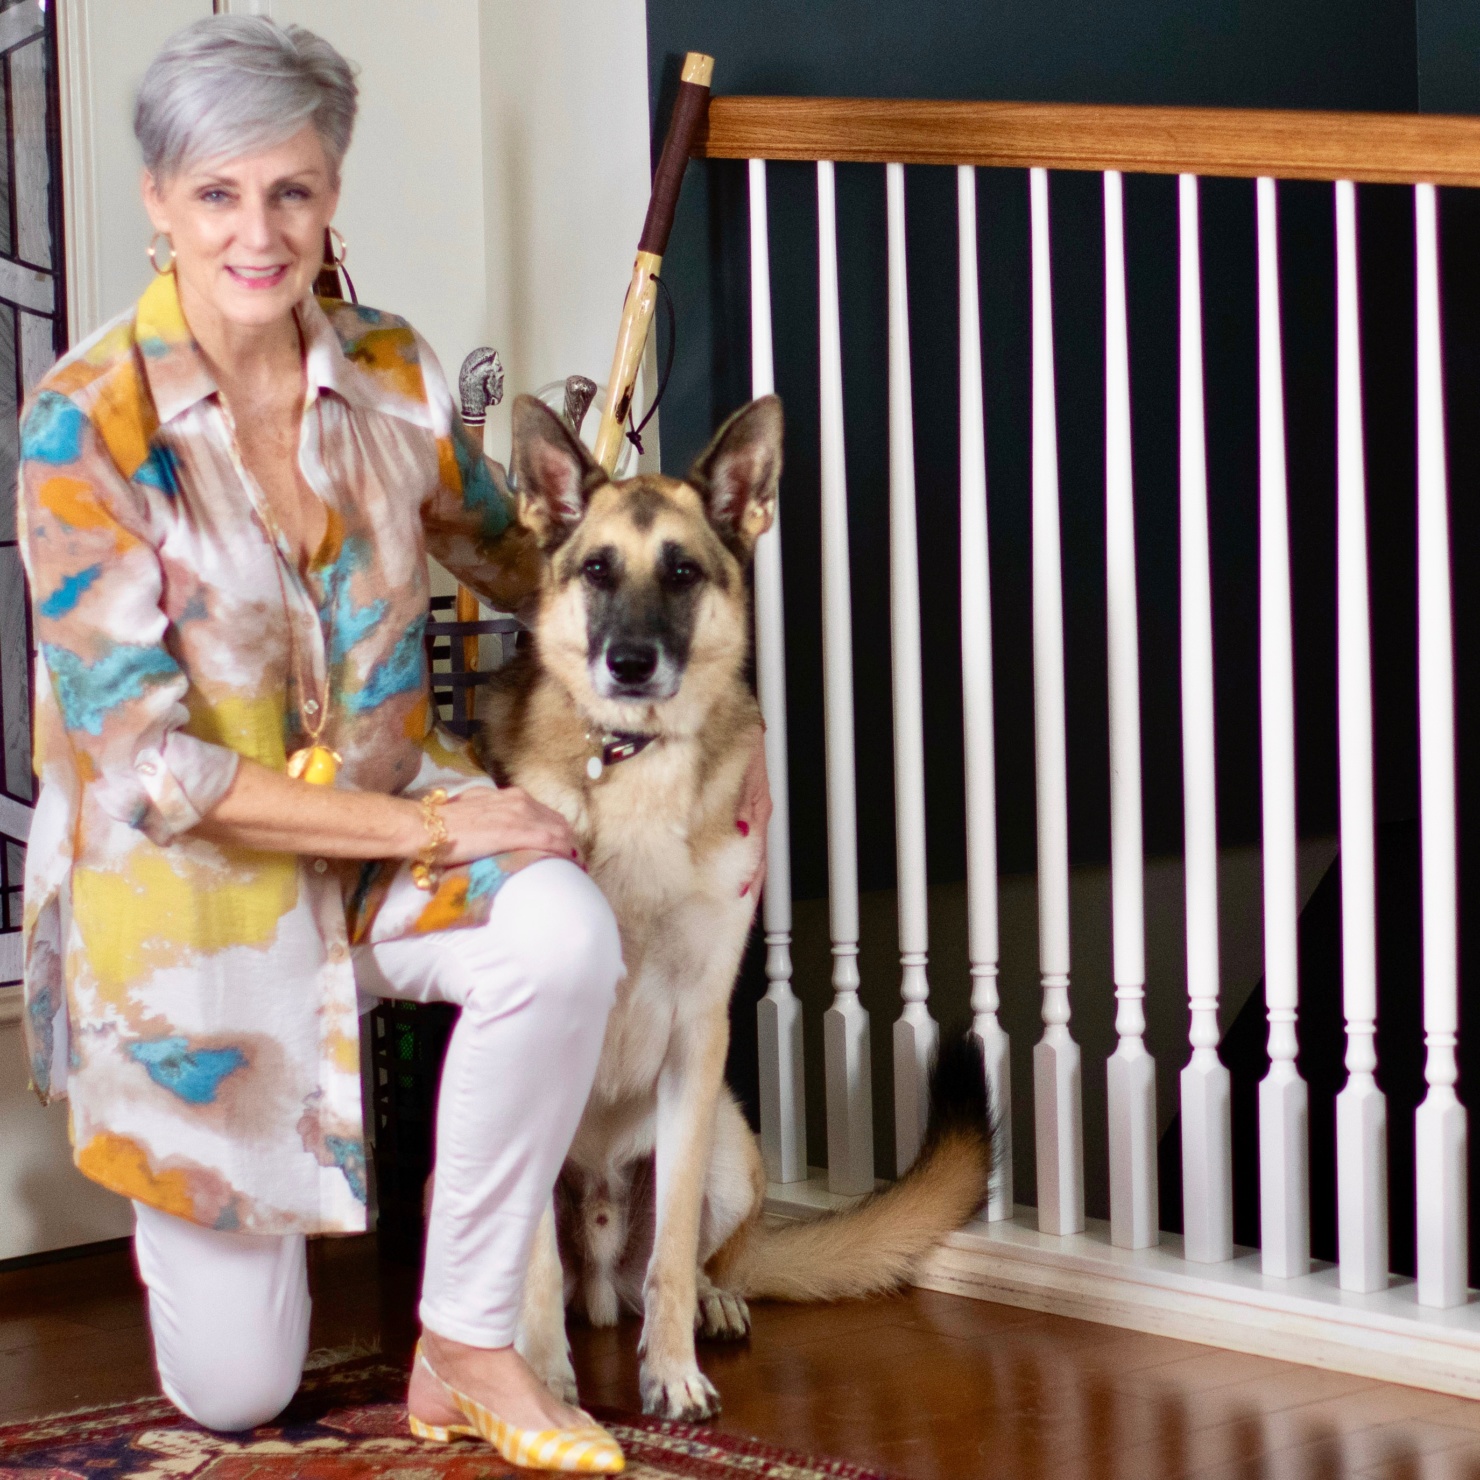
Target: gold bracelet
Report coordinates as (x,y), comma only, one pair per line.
(426,873)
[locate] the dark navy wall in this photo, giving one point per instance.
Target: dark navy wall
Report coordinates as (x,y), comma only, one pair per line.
(1448,33)
(1256,53)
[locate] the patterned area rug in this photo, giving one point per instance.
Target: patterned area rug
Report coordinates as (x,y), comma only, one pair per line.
(347,1423)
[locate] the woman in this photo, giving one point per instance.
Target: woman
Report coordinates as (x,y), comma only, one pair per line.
(228,495)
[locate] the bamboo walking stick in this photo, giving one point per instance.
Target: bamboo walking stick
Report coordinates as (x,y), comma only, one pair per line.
(689,110)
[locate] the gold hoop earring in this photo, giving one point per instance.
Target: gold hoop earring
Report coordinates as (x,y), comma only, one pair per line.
(336,239)
(154,254)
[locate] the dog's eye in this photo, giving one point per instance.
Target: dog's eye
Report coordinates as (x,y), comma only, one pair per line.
(682,574)
(598,571)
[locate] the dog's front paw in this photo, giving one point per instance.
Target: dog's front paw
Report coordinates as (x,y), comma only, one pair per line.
(563,1385)
(721,1316)
(550,1362)
(689,1395)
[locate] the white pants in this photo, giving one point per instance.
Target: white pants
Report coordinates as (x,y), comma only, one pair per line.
(229,1311)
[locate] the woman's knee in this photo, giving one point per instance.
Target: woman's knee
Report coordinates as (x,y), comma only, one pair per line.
(236,1372)
(228,1316)
(556,919)
(230,1397)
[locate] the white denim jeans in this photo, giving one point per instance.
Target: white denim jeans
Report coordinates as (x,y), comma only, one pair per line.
(229,1311)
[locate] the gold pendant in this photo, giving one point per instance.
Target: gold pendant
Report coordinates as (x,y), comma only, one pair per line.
(315,764)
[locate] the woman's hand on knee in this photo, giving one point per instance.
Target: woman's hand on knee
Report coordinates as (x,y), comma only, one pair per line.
(482,821)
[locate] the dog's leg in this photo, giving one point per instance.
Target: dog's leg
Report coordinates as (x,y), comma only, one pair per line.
(733,1195)
(542,1341)
(689,1087)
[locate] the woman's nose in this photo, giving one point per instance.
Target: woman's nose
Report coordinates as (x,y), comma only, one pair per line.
(254,225)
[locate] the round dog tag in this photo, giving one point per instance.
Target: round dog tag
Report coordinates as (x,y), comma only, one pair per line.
(594,768)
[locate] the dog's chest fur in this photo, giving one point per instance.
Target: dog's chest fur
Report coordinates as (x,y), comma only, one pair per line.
(665,850)
(660,838)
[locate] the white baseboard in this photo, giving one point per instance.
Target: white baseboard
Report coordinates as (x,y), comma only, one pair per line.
(1311,1320)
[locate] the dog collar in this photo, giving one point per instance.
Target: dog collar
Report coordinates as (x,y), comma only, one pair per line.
(615,746)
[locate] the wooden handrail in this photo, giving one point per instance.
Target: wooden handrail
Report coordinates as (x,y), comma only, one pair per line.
(1395,148)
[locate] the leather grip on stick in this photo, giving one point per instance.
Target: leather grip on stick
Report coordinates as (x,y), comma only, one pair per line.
(690,109)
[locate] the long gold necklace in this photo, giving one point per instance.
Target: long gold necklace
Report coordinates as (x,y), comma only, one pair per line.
(315,762)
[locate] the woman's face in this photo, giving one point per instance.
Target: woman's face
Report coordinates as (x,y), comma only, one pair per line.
(248,233)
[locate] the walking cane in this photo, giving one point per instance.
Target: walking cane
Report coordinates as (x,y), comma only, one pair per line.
(690,109)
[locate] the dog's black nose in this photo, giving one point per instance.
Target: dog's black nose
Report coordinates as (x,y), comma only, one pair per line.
(632,662)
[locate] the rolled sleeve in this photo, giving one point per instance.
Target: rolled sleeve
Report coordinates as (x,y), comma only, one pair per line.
(97,587)
(183,780)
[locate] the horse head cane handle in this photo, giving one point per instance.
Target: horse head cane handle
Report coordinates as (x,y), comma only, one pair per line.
(480,384)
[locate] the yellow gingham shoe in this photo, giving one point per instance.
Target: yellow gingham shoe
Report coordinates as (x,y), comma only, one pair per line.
(589,1450)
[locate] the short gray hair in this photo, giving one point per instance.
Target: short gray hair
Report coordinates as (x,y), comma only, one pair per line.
(231,85)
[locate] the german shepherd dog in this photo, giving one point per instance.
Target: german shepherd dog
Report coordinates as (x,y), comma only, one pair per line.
(630,713)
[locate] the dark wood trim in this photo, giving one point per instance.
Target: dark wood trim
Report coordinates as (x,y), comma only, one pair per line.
(1398,148)
(63,1256)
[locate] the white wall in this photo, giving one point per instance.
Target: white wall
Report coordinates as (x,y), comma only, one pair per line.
(45,1202)
(106,45)
(412,205)
(567,172)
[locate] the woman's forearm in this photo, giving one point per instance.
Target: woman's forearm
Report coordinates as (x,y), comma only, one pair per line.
(265,810)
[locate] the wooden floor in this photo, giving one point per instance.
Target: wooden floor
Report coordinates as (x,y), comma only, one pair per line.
(922,1385)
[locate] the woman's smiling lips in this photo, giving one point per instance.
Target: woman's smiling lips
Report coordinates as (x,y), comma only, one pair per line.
(258,277)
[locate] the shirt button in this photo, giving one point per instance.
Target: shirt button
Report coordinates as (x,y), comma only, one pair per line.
(338,951)
(312,707)
(320,865)
(147,768)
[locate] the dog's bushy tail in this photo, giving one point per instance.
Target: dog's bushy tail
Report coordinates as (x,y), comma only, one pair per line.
(878,1244)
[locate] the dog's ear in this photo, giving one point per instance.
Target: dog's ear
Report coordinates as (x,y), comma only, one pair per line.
(738,473)
(554,475)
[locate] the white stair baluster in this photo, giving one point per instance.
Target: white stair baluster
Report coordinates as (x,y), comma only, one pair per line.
(976,691)
(1059,1134)
(916,1034)
(778,1013)
(1283,1102)
(1130,1072)
(1441,1130)
(1361,1109)
(1207,1141)
(845,1025)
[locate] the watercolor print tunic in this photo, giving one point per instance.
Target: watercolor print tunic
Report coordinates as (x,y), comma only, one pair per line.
(197,1002)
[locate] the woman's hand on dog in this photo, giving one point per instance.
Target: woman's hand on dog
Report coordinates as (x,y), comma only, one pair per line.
(482,821)
(755,811)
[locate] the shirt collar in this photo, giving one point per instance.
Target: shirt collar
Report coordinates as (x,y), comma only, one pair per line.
(174,367)
(179,377)
(327,367)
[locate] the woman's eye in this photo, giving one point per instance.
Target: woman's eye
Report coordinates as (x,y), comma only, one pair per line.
(214,197)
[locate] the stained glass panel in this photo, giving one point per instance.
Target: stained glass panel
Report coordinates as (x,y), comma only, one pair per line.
(32,334)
